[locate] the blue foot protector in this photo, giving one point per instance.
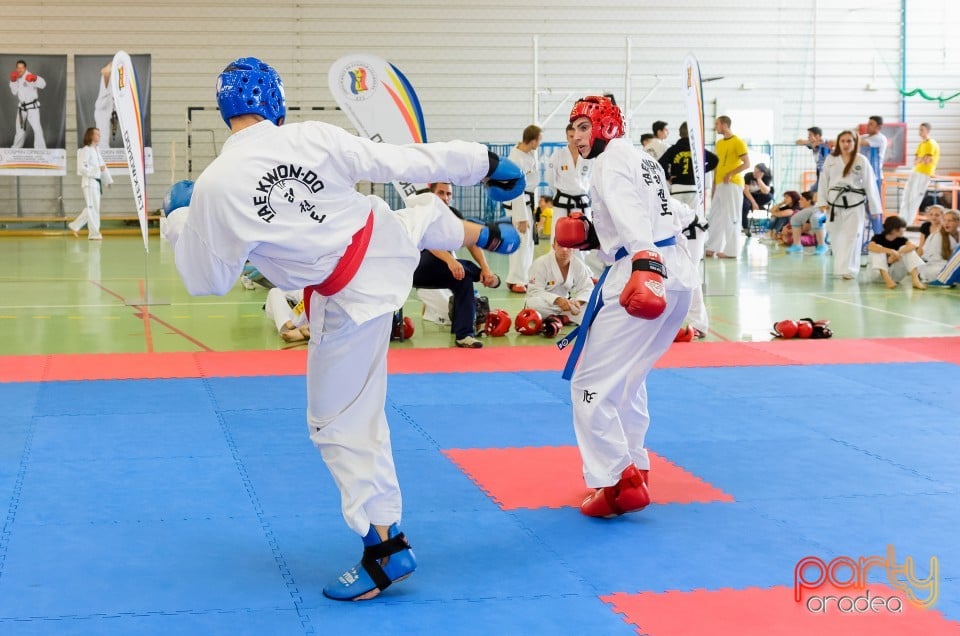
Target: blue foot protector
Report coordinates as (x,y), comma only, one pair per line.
(368,578)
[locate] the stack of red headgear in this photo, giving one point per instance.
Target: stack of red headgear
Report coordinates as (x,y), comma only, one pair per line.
(803,328)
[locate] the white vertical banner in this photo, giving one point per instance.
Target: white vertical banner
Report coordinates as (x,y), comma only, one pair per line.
(380,102)
(693,105)
(126,98)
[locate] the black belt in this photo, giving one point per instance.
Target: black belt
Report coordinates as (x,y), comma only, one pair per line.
(25,106)
(841,201)
(691,230)
(529,201)
(571,201)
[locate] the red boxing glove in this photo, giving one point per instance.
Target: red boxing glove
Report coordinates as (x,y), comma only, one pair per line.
(577,231)
(14,76)
(31,77)
(644,296)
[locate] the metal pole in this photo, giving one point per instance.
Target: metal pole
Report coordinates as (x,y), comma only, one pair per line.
(536,80)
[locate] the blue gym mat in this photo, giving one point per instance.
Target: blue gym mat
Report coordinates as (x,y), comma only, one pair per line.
(199,506)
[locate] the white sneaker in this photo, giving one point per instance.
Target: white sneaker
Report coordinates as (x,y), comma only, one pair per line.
(469,343)
(247,283)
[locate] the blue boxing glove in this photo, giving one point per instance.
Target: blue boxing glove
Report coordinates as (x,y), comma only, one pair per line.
(504,180)
(178,196)
(877,224)
(500,237)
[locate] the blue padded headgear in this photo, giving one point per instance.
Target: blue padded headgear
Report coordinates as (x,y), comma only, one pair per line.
(178,196)
(250,86)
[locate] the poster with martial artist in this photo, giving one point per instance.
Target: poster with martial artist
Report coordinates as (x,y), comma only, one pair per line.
(33,115)
(95,108)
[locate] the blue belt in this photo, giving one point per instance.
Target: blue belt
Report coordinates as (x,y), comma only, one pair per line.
(579,335)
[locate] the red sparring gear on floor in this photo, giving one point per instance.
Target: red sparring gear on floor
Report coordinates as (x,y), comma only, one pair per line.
(498,323)
(529,322)
(786,329)
(804,329)
(630,494)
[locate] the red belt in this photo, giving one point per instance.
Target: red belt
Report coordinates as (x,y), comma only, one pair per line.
(346,267)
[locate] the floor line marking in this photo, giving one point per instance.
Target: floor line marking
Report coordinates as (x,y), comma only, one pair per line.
(162,322)
(885,311)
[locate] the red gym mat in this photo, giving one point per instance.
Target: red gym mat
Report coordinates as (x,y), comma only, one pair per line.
(120,366)
(552,477)
(772,611)
(719,354)
(840,351)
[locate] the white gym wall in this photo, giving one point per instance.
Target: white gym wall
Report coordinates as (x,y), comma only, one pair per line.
(810,62)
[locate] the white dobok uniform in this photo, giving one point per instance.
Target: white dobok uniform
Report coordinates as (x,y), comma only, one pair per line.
(933,261)
(547,284)
(631,209)
(28,110)
(93,173)
(284,198)
(846,223)
(697,316)
(285,306)
(521,209)
(567,175)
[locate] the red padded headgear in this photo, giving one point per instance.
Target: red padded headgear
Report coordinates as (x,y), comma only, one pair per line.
(406,326)
(604,115)
(786,328)
(497,323)
(529,322)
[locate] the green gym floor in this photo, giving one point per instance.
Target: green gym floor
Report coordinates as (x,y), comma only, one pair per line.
(63,294)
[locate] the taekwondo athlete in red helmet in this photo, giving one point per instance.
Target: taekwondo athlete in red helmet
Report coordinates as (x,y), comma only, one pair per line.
(637,307)
(284,198)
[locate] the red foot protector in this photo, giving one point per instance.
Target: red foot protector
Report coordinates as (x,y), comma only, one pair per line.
(851,612)
(552,477)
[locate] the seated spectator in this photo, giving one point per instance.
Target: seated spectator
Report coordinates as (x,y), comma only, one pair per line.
(757,193)
(940,247)
(442,270)
(559,284)
(809,218)
(933,215)
(285,309)
(781,212)
(892,256)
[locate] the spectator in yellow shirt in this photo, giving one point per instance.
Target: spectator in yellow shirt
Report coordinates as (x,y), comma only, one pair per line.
(925,164)
(727,193)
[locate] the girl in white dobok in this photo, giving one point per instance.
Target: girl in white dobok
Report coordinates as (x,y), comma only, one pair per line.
(847,184)
(93,175)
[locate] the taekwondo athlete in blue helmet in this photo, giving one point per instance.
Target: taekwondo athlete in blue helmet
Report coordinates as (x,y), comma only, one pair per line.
(284,198)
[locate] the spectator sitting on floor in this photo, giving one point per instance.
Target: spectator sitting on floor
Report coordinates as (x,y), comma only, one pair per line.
(933,215)
(285,309)
(781,212)
(893,257)
(559,284)
(940,246)
(808,218)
